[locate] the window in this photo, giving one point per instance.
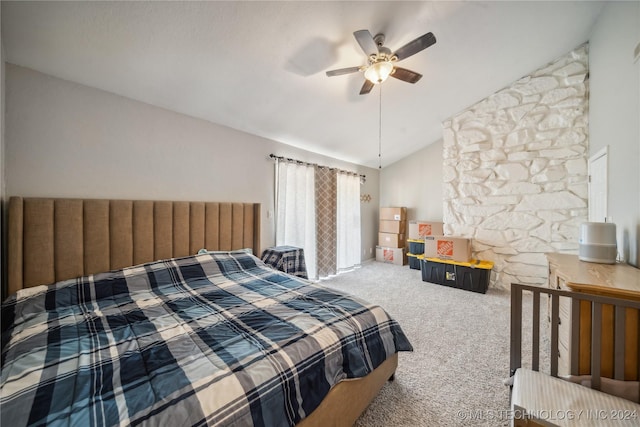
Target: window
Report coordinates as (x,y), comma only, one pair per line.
(318,209)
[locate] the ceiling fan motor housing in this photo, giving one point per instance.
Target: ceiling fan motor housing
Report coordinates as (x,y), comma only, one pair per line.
(384,53)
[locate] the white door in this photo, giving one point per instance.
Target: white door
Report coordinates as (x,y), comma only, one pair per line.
(598,186)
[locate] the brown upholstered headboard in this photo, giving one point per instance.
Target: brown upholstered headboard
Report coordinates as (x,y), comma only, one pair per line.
(57,239)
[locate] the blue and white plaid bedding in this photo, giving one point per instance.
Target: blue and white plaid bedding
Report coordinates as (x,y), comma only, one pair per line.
(212,339)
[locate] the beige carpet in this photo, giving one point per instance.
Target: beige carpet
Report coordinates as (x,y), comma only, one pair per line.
(455,375)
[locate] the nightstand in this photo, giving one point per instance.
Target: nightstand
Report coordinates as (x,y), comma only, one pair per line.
(289,259)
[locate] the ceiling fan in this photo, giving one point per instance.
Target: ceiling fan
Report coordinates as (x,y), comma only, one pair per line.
(380,59)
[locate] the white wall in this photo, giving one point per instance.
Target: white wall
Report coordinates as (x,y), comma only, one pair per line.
(2,92)
(2,177)
(615,116)
(415,182)
(68,140)
(515,170)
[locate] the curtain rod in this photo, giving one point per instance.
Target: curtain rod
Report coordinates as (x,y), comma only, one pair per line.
(300,162)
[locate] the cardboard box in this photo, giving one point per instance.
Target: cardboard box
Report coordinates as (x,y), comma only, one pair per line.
(393,214)
(389,226)
(391,240)
(448,247)
(395,256)
(422,229)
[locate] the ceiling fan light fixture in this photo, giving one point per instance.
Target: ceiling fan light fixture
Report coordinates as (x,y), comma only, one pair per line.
(378,71)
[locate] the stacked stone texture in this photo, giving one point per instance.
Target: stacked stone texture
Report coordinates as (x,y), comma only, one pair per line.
(515,170)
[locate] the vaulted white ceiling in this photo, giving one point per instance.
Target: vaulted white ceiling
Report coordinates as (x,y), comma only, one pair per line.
(259,67)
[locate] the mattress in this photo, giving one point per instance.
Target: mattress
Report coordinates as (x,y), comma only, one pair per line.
(562,403)
(210,339)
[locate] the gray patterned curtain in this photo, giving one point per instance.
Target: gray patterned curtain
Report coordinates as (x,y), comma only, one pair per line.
(326,228)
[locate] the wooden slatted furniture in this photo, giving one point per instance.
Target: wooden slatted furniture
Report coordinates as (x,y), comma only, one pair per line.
(538,399)
(567,272)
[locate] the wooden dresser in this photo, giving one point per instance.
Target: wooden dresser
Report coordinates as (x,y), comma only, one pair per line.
(618,280)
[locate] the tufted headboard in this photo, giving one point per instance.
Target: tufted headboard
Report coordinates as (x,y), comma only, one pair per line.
(57,239)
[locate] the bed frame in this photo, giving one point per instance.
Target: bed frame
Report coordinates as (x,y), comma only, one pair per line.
(54,239)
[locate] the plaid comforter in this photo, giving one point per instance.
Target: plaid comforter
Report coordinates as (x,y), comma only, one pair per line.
(212,339)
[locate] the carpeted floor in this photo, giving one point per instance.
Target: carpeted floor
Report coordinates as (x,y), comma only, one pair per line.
(454,376)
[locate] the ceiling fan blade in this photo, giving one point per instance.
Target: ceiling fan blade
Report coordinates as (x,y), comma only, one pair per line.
(366,87)
(405,75)
(366,42)
(415,46)
(342,71)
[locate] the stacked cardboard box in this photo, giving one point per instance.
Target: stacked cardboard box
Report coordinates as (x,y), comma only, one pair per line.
(391,236)
(393,214)
(448,248)
(447,261)
(418,230)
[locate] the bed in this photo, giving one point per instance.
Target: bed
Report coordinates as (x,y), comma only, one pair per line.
(140,329)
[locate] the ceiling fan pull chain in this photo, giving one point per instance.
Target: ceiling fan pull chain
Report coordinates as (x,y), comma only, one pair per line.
(380,128)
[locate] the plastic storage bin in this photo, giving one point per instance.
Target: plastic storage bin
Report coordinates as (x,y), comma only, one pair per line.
(416,246)
(415,260)
(471,276)
(432,272)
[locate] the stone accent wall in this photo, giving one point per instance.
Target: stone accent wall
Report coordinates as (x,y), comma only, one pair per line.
(515,170)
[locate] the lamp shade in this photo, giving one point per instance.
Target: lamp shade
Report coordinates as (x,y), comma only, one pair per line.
(378,72)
